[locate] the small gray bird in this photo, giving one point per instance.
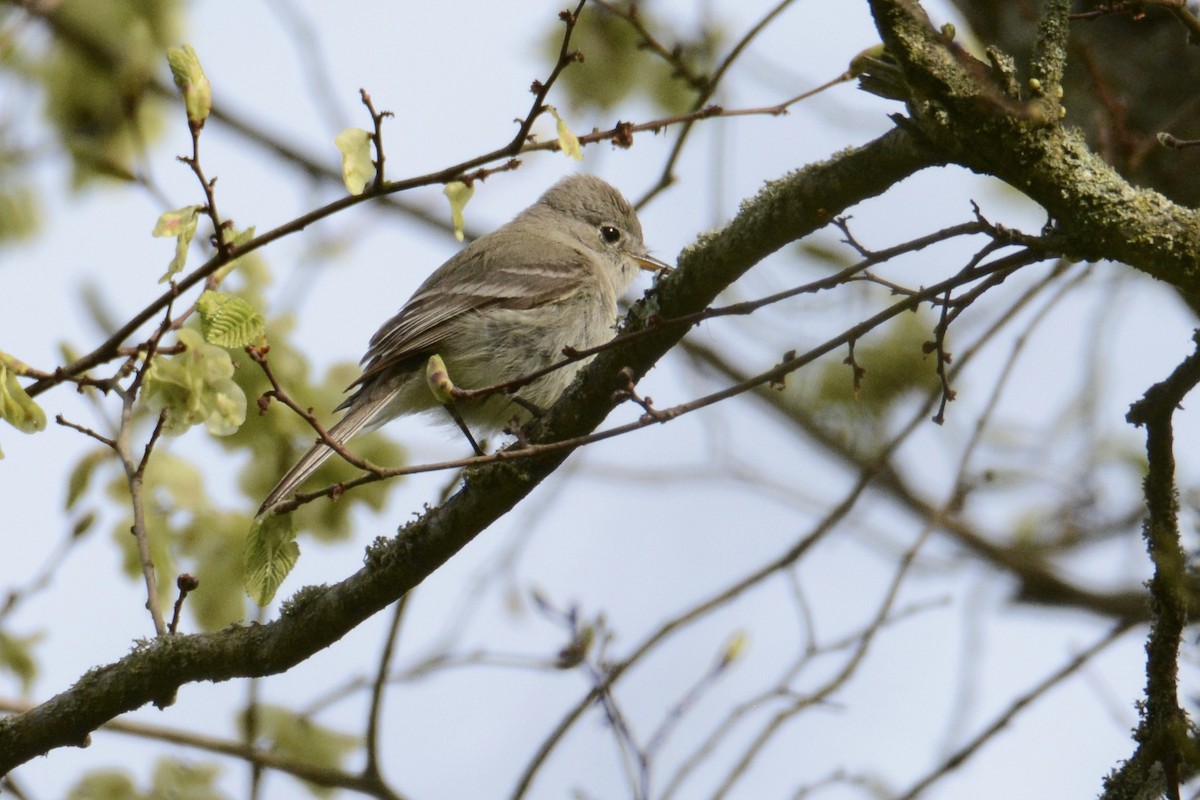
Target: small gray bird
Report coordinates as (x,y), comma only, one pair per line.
(501,309)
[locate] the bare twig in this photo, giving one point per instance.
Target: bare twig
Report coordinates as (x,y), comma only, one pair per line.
(303,770)
(86,431)
(938,345)
(667,177)
(259,356)
(185,583)
(678,623)
(223,248)
(1019,704)
(377,118)
(134,478)
(371,770)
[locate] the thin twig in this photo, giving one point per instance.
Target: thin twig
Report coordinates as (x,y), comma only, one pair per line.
(377,118)
(186,584)
(667,177)
(224,249)
(259,355)
(371,771)
(1019,704)
(671,55)
(263,758)
(86,431)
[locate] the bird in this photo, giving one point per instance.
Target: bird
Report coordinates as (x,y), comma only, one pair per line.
(502,308)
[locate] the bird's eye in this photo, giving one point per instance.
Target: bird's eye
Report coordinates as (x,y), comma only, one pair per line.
(610,233)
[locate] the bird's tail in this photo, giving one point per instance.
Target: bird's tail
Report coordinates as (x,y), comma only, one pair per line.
(357,418)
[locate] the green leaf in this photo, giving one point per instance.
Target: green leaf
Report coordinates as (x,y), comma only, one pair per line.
(192,82)
(298,738)
(15,365)
(178,780)
(16,656)
(459,194)
(18,212)
(618,68)
(196,386)
(105,784)
(17,407)
(106,112)
(357,167)
(83,524)
(228,320)
(568,142)
(269,555)
(213,541)
(81,475)
(175,223)
(180,223)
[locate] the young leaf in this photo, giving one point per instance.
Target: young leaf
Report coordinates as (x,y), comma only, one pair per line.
(270,554)
(16,656)
(81,475)
(357,166)
(17,407)
(438,379)
(193,84)
(180,223)
(196,386)
(298,738)
(105,784)
(229,321)
(568,142)
(14,364)
(459,194)
(185,781)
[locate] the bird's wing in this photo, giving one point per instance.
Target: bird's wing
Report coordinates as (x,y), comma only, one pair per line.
(480,277)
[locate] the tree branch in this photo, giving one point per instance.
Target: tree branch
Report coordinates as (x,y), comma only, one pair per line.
(963,109)
(1165,753)
(316,617)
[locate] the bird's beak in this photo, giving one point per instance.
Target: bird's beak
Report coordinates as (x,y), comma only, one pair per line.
(652,264)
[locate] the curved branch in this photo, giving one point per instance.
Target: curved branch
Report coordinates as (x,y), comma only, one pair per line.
(1165,753)
(317,617)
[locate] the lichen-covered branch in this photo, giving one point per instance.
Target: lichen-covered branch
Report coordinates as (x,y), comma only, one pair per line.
(315,618)
(963,108)
(1165,754)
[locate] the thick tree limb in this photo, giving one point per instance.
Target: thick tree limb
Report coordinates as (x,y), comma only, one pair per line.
(317,617)
(962,106)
